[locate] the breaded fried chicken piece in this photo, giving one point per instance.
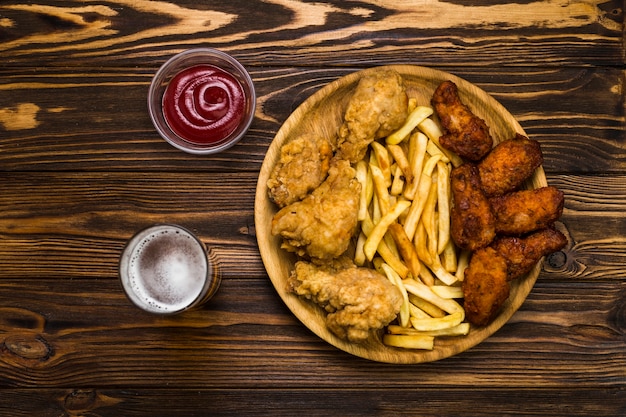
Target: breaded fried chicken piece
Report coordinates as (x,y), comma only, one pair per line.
(464,133)
(485,287)
(509,164)
(357,300)
(525,211)
(378,107)
(472,221)
(303,165)
(522,253)
(322,224)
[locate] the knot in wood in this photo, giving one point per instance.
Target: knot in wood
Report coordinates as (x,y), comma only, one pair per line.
(80,400)
(557,260)
(28,346)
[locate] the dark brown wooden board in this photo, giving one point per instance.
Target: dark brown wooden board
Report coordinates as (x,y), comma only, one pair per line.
(82,168)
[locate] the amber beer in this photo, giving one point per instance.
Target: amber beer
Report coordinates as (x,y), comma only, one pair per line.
(165,269)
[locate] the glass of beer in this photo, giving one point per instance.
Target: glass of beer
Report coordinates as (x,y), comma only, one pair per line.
(165,269)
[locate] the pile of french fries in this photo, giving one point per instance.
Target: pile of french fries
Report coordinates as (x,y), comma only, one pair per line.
(404,216)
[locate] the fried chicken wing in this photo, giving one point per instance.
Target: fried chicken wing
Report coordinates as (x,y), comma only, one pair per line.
(357,300)
(464,133)
(485,287)
(322,224)
(522,253)
(378,107)
(303,166)
(509,164)
(525,211)
(472,223)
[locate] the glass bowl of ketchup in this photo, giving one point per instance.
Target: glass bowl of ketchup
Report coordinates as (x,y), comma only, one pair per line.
(202,101)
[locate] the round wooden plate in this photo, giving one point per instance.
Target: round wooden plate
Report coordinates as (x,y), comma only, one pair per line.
(323,113)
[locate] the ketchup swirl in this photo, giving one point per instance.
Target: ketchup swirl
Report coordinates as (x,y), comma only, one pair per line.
(203,104)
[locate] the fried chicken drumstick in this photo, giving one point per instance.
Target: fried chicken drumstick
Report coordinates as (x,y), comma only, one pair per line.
(378,107)
(357,300)
(322,224)
(485,287)
(525,211)
(509,164)
(523,253)
(472,223)
(303,165)
(464,133)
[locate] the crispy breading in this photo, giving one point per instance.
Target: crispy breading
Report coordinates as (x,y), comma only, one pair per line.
(464,132)
(472,220)
(485,287)
(378,107)
(322,224)
(523,253)
(357,300)
(303,165)
(509,164)
(525,211)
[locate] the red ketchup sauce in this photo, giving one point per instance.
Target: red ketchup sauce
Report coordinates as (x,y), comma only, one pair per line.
(203,104)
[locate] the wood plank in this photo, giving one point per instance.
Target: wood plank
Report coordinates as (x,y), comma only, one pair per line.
(497,402)
(74,225)
(434,33)
(59,120)
(66,333)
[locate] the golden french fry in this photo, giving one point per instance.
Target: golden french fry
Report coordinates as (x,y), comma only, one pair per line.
(429,308)
(433,131)
(429,220)
(415,117)
(380,189)
(401,159)
(462,263)
(460,330)
(406,248)
(417,152)
(383,160)
(381,227)
(423,291)
(397,281)
(437,323)
(426,276)
(391,244)
(417,207)
(421,239)
(376,212)
(433,150)
(449,258)
(443,205)
(367,189)
(440,272)
(398,181)
(412,104)
(447,291)
(415,311)
(359,255)
(383,250)
(430,165)
(413,341)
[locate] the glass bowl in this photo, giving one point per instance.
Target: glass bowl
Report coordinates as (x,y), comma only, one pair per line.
(202,101)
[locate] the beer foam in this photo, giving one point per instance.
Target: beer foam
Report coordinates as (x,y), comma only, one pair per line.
(167,270)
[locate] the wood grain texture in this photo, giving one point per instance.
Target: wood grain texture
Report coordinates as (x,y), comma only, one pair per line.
(81,124)
(81,169)
(62,333)
(539,402)
(125,32)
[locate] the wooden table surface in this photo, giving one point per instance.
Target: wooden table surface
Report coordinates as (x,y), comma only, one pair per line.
(82,169)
